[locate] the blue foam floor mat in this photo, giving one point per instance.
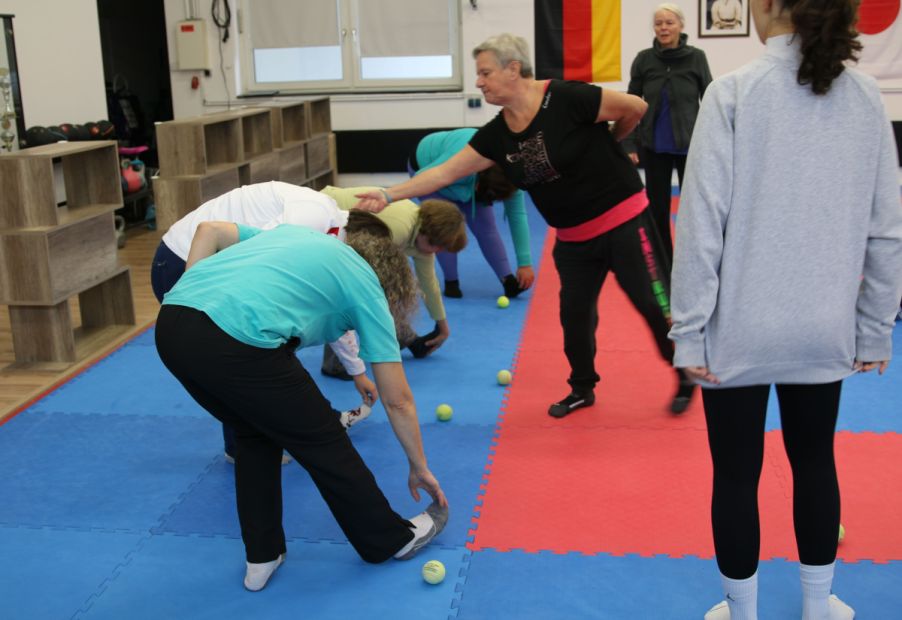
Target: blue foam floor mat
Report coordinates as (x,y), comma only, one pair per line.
(210,506)
(97,471)
(53,573)
(200,578)
(545,585)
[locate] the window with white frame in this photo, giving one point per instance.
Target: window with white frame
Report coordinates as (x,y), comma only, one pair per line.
(350,45)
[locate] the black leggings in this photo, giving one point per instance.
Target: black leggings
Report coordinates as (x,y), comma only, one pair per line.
(633,252)
(658,174)
(735,419)
(273,404)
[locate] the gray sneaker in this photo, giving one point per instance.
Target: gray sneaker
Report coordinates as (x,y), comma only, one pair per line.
(439,517)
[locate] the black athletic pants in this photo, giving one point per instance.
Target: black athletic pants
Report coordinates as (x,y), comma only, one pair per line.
(658,174)
(270,400)
(735,419)
(632,251)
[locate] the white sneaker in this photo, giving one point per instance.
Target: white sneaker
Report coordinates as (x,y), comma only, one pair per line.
(839,610)
(258,574)
(352,417)
(229,458)
(721,611)
(427,525)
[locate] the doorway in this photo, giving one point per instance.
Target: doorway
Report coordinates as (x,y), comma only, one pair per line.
(136,70)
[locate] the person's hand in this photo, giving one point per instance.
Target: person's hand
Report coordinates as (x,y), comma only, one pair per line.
(869,366)
(439,339)
(701,373)
(423,479)
(525,277)
(373,201)
(634,157)
(366,389)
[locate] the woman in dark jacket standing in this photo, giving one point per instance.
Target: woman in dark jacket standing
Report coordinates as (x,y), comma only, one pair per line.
(672,77)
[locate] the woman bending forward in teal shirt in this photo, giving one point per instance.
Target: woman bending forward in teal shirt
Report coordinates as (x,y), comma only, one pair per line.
(228,331)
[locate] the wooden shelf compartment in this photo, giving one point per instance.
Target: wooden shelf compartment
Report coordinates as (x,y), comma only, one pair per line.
(256,129)
(90,172)
(45,267)
(318,155)
(320,182)
(199,145)
(293,164)
(319,115)
(176,197)
(289,122)
(259,170)
(44,333)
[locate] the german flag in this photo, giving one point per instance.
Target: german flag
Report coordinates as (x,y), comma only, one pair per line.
(578,40)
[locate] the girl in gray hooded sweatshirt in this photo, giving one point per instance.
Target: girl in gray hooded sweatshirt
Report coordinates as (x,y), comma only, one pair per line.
(787,271)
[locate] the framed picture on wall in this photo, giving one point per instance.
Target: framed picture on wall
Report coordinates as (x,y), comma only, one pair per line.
(723,18)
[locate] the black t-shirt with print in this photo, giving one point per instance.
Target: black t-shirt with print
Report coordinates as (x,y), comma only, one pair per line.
(572,167)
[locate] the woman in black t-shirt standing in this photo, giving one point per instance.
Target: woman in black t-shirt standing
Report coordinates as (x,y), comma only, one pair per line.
(558,140)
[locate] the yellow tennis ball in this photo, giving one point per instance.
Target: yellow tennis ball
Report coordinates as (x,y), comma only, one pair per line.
(443,412)
(842,532)
(503,302)
(433,572)
(504,377)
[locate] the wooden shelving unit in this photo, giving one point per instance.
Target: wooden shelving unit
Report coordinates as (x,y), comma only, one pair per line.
(206,156)
(51,253)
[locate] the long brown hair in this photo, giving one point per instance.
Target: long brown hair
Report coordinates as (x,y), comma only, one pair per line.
(829,39)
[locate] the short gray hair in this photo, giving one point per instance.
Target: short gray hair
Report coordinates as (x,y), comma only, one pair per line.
(673,8)
(507,48)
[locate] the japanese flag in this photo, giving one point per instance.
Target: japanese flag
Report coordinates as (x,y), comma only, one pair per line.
(880,26)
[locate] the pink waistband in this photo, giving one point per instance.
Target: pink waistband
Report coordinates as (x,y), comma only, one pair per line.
(609,220)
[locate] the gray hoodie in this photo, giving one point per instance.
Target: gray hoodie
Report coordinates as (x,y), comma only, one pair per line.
(788,253)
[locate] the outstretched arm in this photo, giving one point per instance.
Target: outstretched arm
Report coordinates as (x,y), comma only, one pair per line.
(402,413)
(466,162)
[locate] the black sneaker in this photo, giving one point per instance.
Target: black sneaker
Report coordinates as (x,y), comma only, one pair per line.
(570,404)
(684,394)
(452,289)
(418,345)
(511,286)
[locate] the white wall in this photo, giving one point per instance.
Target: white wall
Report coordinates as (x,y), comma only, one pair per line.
(60,62)
(61,67)
(450,110)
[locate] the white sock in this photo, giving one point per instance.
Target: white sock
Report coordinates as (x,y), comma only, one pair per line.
(742,597)
(422,523)
(816,583)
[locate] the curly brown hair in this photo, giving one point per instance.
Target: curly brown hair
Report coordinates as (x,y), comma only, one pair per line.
(443,224)
(364,221)
(829,39)
(393,270)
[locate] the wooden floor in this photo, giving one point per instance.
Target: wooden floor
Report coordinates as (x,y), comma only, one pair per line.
(20,384)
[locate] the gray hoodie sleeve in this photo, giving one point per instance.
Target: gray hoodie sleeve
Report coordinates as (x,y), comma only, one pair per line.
(704,208)
(881,285)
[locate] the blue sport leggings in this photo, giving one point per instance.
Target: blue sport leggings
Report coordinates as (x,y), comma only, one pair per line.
(482,225)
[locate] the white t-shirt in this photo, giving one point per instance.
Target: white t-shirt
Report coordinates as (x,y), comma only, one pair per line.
(261,205)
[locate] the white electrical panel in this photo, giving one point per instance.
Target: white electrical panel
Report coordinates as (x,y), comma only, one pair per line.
(191,44)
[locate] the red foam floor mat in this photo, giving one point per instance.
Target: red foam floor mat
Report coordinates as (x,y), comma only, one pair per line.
(627,477)
(647,491)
